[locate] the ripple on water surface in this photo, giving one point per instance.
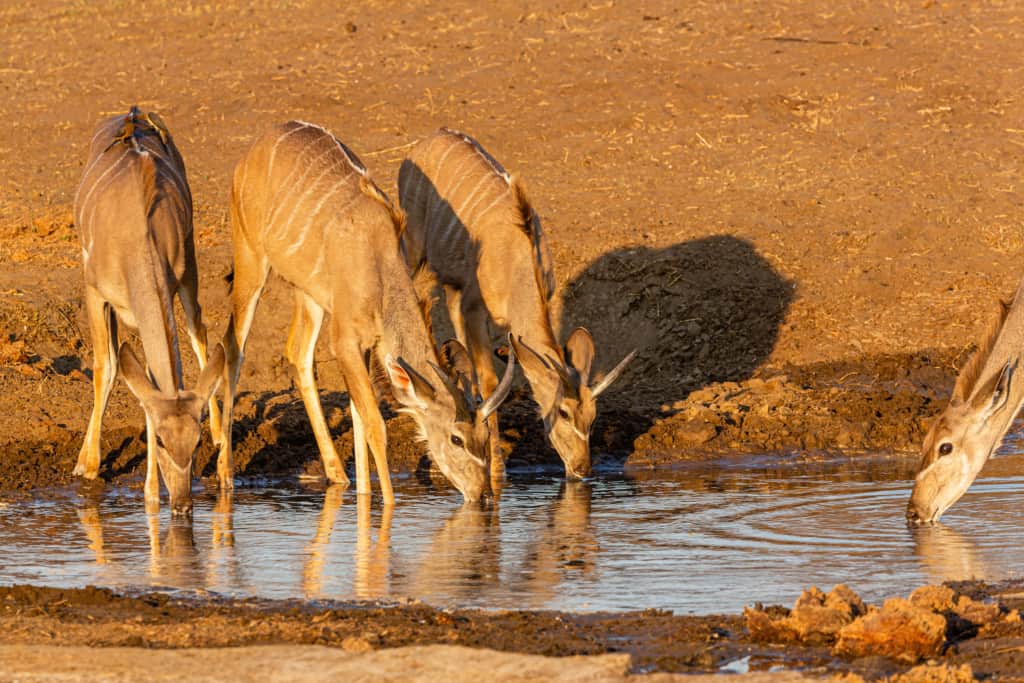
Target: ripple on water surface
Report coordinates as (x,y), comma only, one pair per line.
(700,541)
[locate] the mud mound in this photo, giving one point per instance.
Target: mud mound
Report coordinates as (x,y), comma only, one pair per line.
(846,408)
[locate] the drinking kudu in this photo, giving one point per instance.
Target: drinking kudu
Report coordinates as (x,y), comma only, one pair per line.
(471,223)
(133,210)
(985,400)
(304,205)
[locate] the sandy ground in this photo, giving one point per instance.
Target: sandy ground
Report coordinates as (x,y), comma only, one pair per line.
(802,215)
(311,664)
(772,191)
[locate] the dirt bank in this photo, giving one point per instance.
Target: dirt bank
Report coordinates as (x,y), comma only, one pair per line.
(979,628)
(741,192)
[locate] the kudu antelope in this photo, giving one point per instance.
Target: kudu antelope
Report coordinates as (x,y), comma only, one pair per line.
(471,223)
(304,205)
(133,210)
(985,400)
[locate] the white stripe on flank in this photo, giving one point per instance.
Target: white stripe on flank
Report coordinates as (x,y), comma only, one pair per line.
(469,204)
(273,150)
(443,233)
(343,182)
(455,178)
(461,175)
(501,195)
(300,239)
(103,175)
(356,166)
(285,226)
(92,164)
(288,186)
(177,176)
(94,207)
(99,131)
(440,162)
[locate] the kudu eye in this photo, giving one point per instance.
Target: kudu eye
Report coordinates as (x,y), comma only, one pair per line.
(563,413)
(457,441)
(946,448)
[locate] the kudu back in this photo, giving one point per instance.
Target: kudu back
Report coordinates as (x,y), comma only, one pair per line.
(985,400)
(303,204)
(133,210)
(471,223)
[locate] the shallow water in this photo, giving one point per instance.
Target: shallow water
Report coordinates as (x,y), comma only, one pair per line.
(703,540)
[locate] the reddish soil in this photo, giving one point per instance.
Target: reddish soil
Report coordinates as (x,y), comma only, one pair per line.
(801,214)
(656,640)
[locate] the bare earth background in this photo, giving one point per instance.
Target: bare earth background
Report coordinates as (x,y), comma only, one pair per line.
(802,213)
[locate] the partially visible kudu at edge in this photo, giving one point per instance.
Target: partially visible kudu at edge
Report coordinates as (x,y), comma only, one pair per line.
(986,399)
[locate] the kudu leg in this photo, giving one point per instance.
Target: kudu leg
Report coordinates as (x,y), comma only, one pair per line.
(300,349)
(366,410)
(480,351)
(360,448)
(250,276)
(453,301)
(104,372)
(152,485)
(188,294)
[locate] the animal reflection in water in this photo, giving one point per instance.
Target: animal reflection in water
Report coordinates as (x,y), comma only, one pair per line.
(372,558)
(174,558)
(947,555)
(464,560)
(461,558)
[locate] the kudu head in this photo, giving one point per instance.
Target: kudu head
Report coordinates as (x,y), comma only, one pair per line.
(451,415)
(176,417)
(960,441)
(567,395)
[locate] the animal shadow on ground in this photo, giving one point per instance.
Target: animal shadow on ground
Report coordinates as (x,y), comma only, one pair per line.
(272,434)
(702,311)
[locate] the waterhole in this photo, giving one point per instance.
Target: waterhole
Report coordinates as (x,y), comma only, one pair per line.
(704,540)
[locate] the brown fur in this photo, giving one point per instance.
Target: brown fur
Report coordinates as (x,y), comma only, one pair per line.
(147,168)
(526,213)
(525,221)
(969,375)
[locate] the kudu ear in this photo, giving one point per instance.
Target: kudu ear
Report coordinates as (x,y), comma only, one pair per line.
(533,363)
(455,357)
(502,390)
(502,352)
(210,377)
(135,375)
(993,395)
(614,374)
(579,353)
(410,388)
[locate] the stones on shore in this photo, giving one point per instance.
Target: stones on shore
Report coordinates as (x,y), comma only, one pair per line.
(904,629)
(899,629)
(815,619)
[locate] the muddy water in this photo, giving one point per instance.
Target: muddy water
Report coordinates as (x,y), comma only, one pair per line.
(706,540)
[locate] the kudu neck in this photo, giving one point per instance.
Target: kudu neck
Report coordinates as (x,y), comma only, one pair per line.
(405,333)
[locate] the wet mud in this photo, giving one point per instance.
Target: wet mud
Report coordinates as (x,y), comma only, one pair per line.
(978,625)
